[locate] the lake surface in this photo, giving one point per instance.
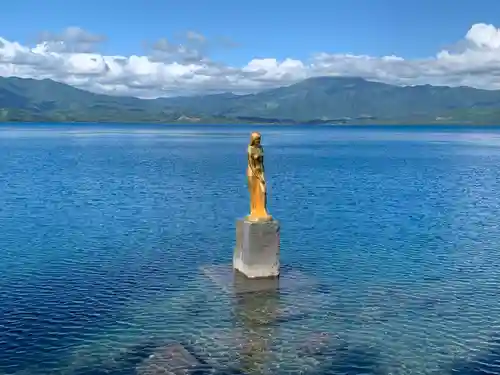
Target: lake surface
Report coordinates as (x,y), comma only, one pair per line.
(107,233)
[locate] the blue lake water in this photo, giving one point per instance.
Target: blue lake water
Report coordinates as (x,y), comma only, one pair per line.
(106,232)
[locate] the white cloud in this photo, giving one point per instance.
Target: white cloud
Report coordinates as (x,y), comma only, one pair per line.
(72,39)
(169,68)
(193,35)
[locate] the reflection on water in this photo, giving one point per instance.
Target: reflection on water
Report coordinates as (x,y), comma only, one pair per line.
(115,248)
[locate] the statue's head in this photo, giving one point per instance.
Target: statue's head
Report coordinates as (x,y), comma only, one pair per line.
(255,138)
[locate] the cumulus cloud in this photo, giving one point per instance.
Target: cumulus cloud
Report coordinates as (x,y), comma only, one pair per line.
(183,66)
(72,39)
(193,35)
(165,51)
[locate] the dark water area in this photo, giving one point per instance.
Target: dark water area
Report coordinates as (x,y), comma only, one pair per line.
(109,235)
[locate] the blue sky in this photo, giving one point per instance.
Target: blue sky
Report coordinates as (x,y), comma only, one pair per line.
(280,42)
(278,28)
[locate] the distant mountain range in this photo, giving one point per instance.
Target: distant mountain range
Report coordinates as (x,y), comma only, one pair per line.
(335,100)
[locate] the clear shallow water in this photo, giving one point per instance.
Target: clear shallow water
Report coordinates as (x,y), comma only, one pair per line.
(106,231)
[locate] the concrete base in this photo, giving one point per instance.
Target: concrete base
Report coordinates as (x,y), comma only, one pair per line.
(257,250)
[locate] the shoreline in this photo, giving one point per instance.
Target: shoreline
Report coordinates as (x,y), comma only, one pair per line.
(286,124)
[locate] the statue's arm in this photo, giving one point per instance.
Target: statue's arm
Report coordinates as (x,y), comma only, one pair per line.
(251,160)
(259,160)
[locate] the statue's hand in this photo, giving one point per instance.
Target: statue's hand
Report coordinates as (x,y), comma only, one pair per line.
(263,186)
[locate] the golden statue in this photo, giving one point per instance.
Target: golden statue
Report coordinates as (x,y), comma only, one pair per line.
(256,180)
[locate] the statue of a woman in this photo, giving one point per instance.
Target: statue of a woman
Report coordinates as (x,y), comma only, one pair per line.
(256,180)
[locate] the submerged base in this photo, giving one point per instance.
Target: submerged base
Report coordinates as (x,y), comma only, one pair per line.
(236,283)
(256,254)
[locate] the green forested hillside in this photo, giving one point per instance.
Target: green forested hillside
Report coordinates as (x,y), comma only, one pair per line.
(315,100)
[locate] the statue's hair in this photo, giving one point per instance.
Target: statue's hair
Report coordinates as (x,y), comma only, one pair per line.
(253,137)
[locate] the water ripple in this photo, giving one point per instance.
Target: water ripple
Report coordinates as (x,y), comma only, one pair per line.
(393,231)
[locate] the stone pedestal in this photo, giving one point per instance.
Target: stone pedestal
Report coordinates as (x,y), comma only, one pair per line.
(257,250)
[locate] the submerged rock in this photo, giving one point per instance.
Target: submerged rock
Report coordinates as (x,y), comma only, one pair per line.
(173,359)
(317,344)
